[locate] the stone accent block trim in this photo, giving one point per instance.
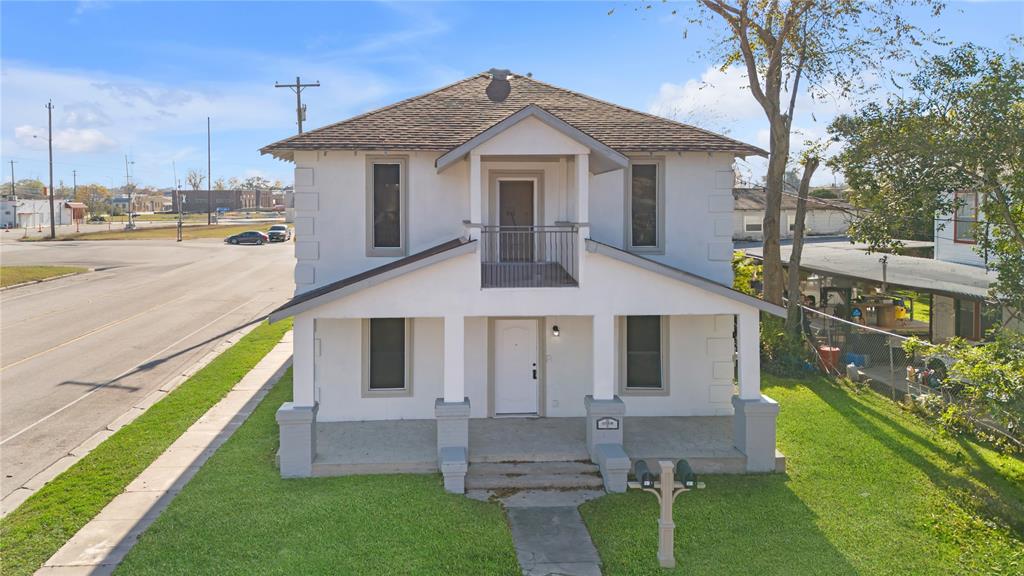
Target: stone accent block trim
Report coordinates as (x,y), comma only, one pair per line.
(754,425)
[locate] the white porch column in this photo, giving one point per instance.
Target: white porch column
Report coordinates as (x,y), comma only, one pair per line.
(582,211)
(297,419)
(748,334)
(604,357)
(303,358)
(475,194)
(454,359)
(452,411)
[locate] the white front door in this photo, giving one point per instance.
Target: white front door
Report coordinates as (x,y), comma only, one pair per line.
(515,366)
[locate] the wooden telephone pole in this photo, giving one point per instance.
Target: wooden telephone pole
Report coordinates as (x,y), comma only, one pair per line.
(300,110)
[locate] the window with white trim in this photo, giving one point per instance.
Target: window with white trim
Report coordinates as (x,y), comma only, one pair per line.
(966,218)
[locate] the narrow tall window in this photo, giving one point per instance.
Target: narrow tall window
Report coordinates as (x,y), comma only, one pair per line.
(966,218)
(387,355)
(644,206)
(643,353)
(967,319)
(387,205)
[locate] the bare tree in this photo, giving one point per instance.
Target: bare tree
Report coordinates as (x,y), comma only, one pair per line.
(829,48)
(195,179)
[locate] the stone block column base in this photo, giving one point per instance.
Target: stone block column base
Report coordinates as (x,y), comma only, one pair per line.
(754,431)
(297,425)
(604,423)
(453,442)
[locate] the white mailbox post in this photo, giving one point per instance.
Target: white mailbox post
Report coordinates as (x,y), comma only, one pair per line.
(666,488)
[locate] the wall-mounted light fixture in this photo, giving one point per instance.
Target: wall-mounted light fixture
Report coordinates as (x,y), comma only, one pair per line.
(555,331)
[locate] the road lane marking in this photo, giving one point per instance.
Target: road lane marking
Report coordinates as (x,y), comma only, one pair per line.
(123,374)
(93,331)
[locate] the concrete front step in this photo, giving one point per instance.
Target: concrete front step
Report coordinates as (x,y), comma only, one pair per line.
(527,475)
(533,481)
(493,468)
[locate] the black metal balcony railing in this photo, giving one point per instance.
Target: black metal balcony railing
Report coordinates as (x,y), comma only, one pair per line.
(529,256)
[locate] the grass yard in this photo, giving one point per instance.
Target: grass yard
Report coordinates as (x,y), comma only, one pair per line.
(51,516)
(191,232)
(11,275)
(237,516)
(869,490)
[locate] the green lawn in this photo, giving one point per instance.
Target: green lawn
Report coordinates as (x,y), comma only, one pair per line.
(869,490)
(11,275)
(237,516)
(40,526)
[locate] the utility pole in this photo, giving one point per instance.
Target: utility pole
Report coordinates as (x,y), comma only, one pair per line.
(128,186)
(300,110)
(209,194)
(13,191)
(49,118)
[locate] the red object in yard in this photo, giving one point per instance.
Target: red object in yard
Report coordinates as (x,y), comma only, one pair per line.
(829,358)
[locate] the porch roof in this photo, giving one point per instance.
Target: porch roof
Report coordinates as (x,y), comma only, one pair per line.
(683,276)
(602,157)
(392,269)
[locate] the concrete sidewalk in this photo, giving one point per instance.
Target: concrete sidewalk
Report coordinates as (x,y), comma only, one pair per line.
(101,544)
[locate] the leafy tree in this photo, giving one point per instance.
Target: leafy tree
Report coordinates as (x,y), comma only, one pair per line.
(255,183)
(961,128)
(988,382)
(95,196)
(27,187)
(830,48)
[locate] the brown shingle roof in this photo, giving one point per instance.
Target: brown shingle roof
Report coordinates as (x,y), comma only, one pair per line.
(447,117)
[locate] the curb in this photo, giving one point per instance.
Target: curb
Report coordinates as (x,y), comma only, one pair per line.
(22,493)
(51,278)
(103,542)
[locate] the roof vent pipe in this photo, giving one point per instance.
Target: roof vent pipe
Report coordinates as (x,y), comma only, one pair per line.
(499,88)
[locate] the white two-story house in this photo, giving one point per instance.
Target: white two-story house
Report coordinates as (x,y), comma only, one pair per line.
(505,272)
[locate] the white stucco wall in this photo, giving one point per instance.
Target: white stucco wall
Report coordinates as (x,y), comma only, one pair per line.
(700,370)
(947,250)
(817,223)
(331,206)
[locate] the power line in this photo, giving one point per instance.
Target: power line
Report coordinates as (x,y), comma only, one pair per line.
(298,87)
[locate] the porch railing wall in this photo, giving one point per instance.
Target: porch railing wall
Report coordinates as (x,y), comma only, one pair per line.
(529,256)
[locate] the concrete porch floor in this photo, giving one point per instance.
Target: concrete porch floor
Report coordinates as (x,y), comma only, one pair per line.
(395,446)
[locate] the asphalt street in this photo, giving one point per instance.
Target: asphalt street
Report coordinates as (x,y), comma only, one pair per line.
(77,352)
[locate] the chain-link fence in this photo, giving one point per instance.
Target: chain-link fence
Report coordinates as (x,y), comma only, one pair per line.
(868,354)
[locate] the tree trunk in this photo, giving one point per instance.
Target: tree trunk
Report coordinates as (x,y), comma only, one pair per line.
(773,275)
(795,298)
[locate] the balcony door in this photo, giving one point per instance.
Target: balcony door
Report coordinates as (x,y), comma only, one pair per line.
(516,210)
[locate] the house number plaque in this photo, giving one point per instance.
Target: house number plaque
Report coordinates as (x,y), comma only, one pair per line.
(607,423)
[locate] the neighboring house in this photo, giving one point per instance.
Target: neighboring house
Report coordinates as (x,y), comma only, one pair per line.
(503,271)
(824,217)
(956,242)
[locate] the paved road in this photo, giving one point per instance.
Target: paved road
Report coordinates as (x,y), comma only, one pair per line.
(77,352)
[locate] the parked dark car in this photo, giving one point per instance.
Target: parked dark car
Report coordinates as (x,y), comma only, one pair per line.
(248,237)
(279,233)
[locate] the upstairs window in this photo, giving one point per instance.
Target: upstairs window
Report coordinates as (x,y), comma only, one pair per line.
(645,206)
(966,217)
(386,207)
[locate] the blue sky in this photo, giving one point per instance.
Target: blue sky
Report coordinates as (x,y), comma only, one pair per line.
(140,78)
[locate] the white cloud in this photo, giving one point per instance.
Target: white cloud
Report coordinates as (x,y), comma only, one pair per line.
(68,139)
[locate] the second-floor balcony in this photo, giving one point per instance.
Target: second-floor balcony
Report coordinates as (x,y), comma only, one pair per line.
(529,256)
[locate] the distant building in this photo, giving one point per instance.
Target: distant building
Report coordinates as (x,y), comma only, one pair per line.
(825,217)
(35,212)
(196,200)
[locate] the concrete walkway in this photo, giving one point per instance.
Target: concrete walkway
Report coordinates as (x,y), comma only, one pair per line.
(548,533)
(101,544)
